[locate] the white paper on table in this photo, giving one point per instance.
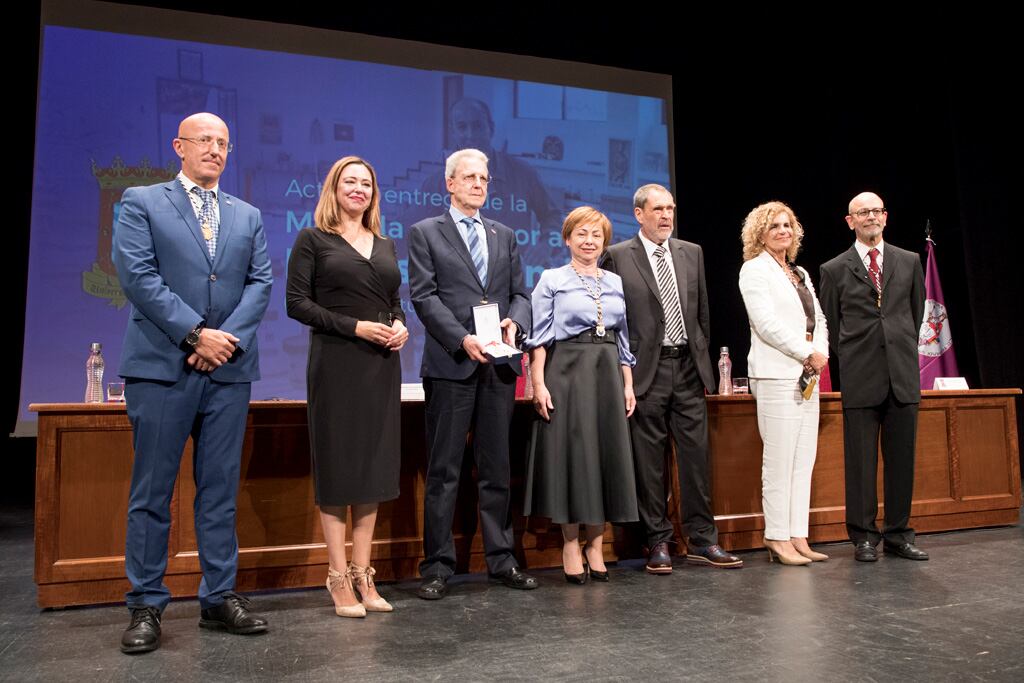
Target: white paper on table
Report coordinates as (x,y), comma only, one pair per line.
(950,383)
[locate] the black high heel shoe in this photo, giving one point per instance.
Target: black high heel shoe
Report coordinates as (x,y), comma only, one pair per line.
(594,574)
(578,579)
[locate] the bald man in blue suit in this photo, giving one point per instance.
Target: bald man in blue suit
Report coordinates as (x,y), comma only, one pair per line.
(193,262)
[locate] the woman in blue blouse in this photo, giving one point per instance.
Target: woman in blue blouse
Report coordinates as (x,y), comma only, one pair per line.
(580,467)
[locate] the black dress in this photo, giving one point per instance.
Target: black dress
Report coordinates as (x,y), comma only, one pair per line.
(353,386)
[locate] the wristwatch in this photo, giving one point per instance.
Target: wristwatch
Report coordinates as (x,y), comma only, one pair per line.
(192,338)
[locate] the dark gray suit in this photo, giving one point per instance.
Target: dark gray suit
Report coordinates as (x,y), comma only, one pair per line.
(669,391)
(461,394)
(880,383)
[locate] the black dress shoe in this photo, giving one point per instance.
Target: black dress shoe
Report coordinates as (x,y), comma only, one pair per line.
(907,550)
(599,576)
(143,634)
(865,552)
(658,560)
(233,616)
(433,588)
(712,555)
(516,578)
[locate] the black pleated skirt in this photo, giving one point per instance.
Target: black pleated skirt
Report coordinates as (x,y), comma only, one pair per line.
(580,466)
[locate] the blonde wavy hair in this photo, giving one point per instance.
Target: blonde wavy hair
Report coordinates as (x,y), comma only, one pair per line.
(328,216)
(756,224)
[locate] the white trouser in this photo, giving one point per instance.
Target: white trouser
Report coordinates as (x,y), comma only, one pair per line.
(789,431)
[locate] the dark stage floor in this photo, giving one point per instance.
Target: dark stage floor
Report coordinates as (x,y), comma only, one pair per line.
(959,616)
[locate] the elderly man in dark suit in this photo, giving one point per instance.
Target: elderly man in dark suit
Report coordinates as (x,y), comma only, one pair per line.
(457,261)
(192,260)
(873,297)
(667,317)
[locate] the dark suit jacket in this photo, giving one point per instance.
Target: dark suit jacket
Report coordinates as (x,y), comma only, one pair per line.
(166,272)
(876,346)
(645,317)
(444,287)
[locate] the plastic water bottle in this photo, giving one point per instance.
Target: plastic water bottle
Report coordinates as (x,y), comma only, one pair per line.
(724,373)
(94,374)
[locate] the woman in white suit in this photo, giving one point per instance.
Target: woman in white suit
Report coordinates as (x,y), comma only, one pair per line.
(788,348)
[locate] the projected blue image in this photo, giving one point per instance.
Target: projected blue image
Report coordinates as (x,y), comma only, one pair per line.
(109,105)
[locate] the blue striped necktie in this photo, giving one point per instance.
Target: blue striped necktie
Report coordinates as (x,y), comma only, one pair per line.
(208,219)
(476,251)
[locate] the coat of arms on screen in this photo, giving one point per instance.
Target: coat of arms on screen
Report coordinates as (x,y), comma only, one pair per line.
(101,282)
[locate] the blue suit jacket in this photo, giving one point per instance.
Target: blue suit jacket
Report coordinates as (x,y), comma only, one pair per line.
(444,287)
(166,272)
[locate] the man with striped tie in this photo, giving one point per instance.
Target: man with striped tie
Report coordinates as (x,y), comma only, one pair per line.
(667,317)
(459,260)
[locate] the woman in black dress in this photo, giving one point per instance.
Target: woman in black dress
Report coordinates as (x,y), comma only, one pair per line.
(343,281)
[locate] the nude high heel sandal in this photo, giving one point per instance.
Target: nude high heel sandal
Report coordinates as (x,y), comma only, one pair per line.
(335,580)
(362,581)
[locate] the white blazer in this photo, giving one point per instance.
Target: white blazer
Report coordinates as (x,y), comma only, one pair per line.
(778,325)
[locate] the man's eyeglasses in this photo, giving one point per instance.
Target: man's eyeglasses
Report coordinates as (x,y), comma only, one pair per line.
(206,142)
(864,213)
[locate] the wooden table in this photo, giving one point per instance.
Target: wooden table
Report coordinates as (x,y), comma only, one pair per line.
(967,475)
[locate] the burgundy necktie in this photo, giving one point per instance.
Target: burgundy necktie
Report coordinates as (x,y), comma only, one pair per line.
(874,269)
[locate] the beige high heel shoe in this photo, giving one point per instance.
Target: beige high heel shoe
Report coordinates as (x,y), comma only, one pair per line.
(335,580)
(807,552)
(363,576)
(784,557)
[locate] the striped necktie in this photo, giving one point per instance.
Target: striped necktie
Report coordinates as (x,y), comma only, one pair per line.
(874,269)
(476,251)
(669,298)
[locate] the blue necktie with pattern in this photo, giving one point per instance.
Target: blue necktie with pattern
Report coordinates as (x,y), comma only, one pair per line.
(208,219)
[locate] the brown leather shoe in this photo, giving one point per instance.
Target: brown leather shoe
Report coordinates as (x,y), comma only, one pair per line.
(712,555)
(658,560)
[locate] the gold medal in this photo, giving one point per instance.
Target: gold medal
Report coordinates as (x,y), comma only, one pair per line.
(207,232)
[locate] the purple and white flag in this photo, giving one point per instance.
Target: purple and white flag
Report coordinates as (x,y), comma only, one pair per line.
(935,341)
